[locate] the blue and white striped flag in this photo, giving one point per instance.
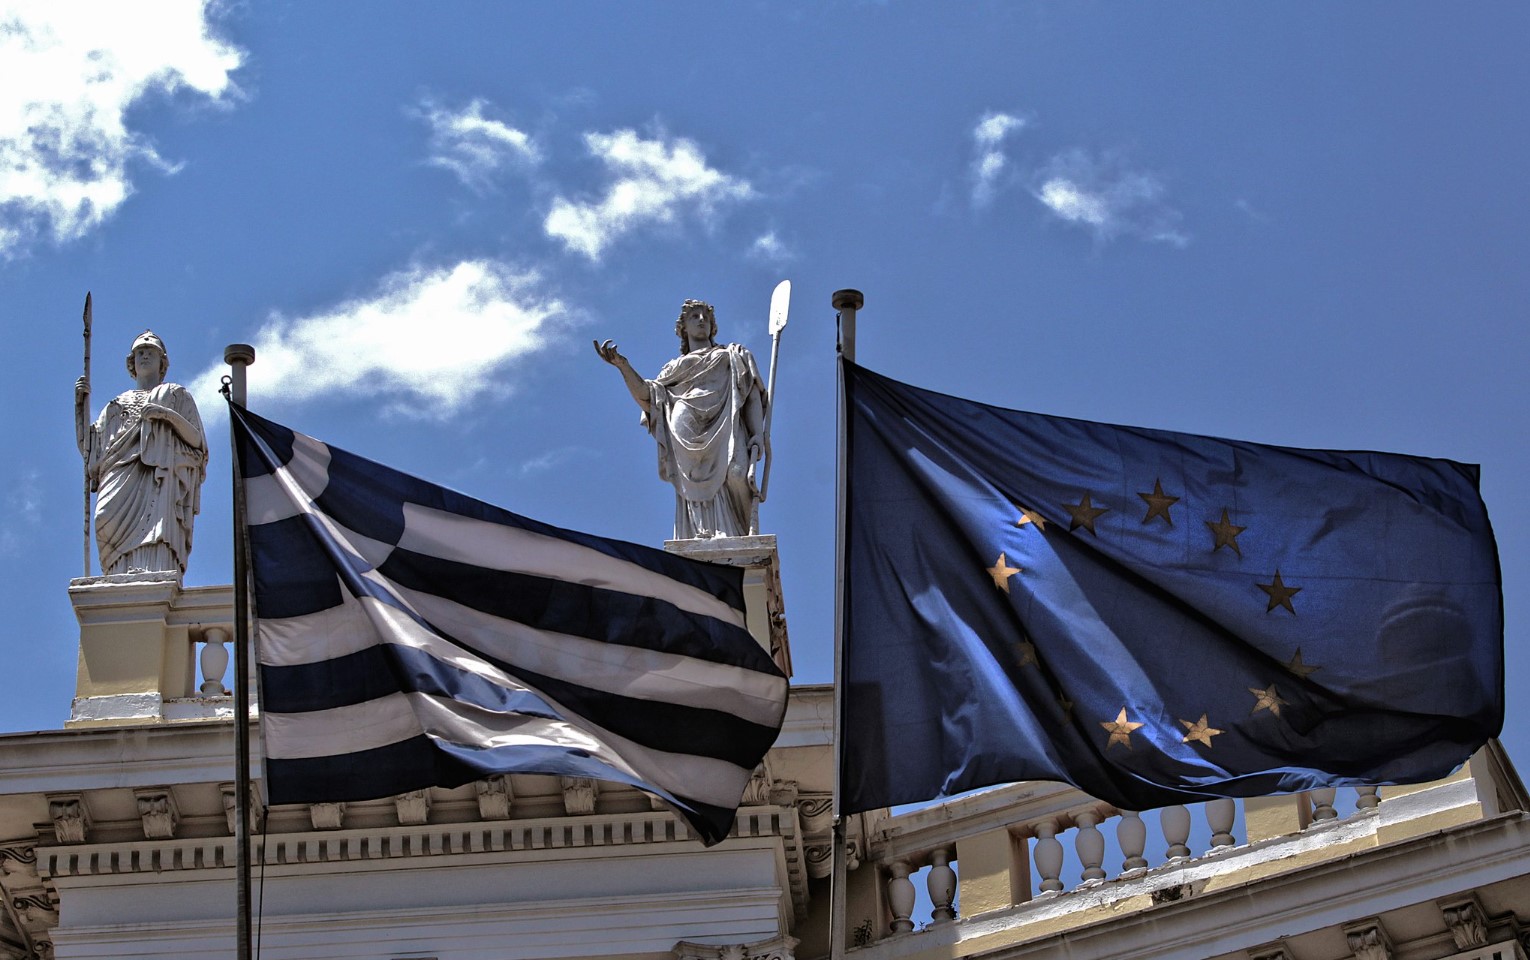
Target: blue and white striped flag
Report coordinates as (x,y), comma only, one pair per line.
(411,636)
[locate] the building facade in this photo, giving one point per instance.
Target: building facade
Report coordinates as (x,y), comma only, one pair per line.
(116,841)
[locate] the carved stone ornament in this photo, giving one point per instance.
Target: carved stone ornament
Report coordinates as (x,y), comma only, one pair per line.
(579,795)
(326,816)
(817,813)
(71,821)
(494,797)
(36,909)
(776,948)
(757,791)
(820,860)
(231,815)
(1467,922)
(413,808)
(18,860)
(783,793)
(1270,951)
(1368,940)
(157,810)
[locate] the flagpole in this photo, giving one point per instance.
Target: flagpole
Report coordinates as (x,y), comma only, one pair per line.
(87,437)
(239,356)
(846,302)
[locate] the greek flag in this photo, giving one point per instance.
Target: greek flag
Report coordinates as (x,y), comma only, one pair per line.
(410,636)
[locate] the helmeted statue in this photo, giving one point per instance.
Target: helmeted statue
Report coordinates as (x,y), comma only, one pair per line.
(145,457)
(706,410)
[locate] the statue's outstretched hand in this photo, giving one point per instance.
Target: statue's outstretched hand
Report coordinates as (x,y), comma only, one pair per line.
(81,389)
(608,352)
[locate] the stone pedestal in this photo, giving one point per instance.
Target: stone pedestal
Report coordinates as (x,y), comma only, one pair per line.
(765,611)
(138,636)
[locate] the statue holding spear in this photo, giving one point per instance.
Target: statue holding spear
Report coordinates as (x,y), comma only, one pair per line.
(709,412)
(145,458)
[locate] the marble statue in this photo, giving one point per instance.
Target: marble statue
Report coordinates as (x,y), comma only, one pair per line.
(706,411)
(145,457)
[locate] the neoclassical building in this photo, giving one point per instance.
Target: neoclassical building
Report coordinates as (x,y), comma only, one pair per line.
(116,841)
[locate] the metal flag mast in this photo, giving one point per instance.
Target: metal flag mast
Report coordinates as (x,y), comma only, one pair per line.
(88,438)
(846,302)
(239,356)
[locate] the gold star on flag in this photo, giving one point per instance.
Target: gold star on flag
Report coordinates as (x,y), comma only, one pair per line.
(1084,514)
(1266,700)
(1158,504)
(1001,572)
(1225,534)
(1297,667)
(1200,731)
(1031,516)
(1120,730)
(1280,594)
(1027,651)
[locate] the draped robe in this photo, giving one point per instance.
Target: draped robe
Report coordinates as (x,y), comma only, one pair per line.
(697,416)
(148,482)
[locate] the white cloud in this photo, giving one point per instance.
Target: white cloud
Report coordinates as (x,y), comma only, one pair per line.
(654,182)
(768,247)
(473,146)
(987,138)
(993,127)
(1108,197)
(69,72)
(428,342)
(1069,201)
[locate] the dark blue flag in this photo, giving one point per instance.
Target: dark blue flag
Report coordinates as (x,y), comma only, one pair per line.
(1153,617)
(412,637)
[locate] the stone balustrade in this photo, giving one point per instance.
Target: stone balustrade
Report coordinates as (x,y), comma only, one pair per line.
(1012,847)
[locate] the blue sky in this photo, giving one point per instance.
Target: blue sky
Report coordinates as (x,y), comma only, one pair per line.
(1302,224)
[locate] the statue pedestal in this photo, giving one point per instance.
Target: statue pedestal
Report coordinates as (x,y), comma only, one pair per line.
(765,612)
(139,634)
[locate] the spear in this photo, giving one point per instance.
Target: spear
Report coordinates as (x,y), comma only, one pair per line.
(88,439)
(780,301)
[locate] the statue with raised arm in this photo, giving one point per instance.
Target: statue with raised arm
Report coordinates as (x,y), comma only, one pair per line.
(145,457)
(706,410)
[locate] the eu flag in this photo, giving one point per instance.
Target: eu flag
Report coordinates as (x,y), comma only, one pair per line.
(1153,617)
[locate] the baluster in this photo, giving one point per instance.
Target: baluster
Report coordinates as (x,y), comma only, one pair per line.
(1220,815)
(1048,856)
(1175,821)
(941,881)
(900,896)
(1322,805)
(1131,834)
(1090,844)
(214,661)
(1367,798)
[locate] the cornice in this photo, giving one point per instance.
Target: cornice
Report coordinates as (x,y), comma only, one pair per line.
(589,836)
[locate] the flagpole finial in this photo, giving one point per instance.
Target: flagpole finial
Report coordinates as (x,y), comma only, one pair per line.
(847,301)
(238,356)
